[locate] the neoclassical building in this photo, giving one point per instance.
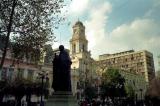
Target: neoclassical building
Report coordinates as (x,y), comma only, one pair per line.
(137,82)
(82,68)
(138,66)
(138,62)
(82,63)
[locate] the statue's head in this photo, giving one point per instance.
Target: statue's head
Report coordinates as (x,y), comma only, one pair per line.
(61,47)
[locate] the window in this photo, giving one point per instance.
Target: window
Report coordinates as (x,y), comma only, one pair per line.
(10,73)
(83,48)
(74,48)
(74,31)
(20,73)
(127,66)
(134,83)
(132,58)
(30,75)
(4,73)
(78,85)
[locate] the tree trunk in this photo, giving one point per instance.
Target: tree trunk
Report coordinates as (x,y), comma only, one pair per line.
(28,99)
(1,98)
(8,34)
(18,100)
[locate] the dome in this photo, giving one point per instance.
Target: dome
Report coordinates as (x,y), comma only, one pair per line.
(79,23)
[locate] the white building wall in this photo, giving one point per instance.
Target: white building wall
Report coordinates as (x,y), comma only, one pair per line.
(25,73)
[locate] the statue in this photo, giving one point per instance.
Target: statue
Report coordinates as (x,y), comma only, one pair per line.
(55,73)
(61,71)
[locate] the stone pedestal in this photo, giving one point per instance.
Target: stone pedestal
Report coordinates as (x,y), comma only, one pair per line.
(62,99)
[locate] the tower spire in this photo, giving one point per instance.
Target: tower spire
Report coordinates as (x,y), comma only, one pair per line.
(78,41)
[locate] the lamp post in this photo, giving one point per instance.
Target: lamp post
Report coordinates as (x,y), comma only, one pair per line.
(141,90)
(141,93)
(42,76)
(85,80)
(74,79)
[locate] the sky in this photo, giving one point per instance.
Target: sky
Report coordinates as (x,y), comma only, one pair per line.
(114,25)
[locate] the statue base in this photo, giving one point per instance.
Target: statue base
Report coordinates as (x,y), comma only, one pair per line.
(62,99)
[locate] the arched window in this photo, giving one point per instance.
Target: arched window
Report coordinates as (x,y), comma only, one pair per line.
(83,47)
(74,48)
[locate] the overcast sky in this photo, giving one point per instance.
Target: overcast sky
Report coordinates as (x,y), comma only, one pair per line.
(114,25)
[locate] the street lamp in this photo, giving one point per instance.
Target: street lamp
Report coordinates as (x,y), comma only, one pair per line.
(141,90)
(74,79)
(43,75)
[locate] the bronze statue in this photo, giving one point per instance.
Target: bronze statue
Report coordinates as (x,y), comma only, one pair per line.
(61,71)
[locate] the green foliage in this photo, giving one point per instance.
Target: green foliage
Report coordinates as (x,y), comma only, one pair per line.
(31,17)
(31,24)
(49,54)
(112,76)
(21,87)
(31,54)
(130,91)
(113,83)
(90,91)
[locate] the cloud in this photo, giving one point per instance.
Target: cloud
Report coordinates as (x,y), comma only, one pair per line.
(96,23)
(140,34)
(78,6)
(156,3)
(152,12)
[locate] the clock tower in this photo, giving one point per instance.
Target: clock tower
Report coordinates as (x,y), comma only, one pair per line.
(78,43)
(81,58)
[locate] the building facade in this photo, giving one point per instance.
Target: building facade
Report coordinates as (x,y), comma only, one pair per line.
(139,62)
(16,68)
(21,68)
(82,64)
(137,82)
(138,67)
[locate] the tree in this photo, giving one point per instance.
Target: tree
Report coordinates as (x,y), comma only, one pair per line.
(21,87)
(90,91)
(2,39)
(153,92)
(154,88)
(19,91)
(130,91)
(113,83)
(30,22)
(101,66)
(15,88)
(3,85)
(49,54)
